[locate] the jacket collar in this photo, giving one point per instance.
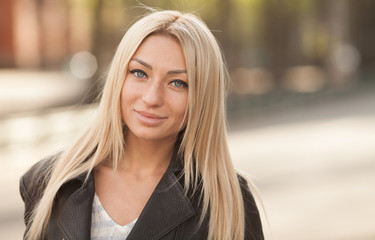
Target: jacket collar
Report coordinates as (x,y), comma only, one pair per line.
(167,207)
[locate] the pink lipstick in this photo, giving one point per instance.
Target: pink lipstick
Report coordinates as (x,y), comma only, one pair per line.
(148,118)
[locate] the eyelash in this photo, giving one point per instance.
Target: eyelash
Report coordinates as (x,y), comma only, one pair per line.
(135,71)
(183,84)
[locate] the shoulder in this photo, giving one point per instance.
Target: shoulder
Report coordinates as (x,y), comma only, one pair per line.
(33,182)
(253,225)
(245,189)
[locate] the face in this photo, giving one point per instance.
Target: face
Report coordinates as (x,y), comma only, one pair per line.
(155,92)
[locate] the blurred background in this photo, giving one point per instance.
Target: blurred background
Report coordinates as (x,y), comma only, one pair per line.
(301,110)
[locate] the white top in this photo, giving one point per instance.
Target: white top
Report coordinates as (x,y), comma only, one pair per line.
(103,227)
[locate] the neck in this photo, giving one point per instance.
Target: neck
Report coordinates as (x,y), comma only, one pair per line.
(146,156)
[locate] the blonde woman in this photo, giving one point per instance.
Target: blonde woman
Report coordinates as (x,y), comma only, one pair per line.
(155,162)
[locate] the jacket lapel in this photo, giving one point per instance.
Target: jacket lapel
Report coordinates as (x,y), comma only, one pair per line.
(167,207)
(74,216)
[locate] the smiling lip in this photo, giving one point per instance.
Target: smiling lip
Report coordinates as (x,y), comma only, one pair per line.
(149,118)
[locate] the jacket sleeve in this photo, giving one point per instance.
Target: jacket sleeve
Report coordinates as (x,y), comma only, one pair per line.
(253,225)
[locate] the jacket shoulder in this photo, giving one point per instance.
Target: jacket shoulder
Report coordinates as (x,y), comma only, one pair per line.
(253,225)
(35,179)
(33,183)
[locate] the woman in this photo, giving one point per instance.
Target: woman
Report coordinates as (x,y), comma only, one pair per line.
(155,162)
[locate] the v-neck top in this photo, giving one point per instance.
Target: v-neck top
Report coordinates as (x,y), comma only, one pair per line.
(103,227)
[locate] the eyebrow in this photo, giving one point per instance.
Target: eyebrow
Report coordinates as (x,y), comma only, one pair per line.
(150,67)
(176,71)
(142,62)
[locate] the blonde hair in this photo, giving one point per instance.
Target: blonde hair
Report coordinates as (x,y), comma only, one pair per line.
(204,142)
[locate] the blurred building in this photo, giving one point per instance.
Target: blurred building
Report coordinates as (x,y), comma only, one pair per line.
(42,33)
(7,53)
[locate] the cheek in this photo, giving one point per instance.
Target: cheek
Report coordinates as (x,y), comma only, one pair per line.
(180,106)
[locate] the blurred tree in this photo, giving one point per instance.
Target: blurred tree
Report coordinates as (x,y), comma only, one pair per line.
(282,38)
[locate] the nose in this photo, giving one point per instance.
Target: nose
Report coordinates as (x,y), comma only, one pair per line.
(153,94)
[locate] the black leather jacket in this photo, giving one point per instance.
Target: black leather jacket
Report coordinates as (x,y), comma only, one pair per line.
(169,213)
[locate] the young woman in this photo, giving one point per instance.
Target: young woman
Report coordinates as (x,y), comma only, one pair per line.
(155,162)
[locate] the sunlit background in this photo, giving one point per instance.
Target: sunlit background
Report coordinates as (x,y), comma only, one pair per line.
(301,110)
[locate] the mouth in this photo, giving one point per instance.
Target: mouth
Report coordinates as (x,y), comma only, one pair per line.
(148,118)
(149,115)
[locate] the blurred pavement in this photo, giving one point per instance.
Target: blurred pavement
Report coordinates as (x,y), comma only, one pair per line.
(314,167)
(316,180)
(23,90)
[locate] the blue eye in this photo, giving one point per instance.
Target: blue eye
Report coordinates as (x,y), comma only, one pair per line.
(138,73)
(179,84)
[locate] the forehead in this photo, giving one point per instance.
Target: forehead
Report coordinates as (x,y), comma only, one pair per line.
(161,49)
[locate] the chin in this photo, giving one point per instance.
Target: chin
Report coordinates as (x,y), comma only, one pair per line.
(150,135)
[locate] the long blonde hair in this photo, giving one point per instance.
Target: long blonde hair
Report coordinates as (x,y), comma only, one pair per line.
(203,147)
